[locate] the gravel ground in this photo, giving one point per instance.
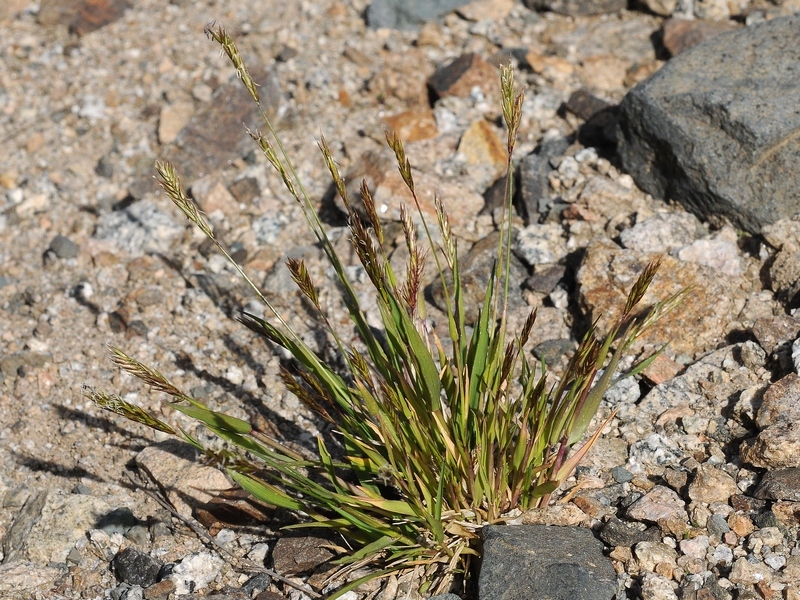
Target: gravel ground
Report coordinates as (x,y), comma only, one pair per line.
(91,255)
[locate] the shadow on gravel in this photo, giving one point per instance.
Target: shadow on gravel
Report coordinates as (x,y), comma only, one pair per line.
(71,414)
(54,468)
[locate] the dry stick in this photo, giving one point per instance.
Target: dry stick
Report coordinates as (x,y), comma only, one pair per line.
(241,564)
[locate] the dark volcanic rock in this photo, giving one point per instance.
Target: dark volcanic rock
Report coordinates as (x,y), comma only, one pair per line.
(136,567)
(716,128)
(533,171)
(545,563)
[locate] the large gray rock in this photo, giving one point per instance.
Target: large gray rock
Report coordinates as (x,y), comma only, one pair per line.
(716,128)
(527,562)
(408,14)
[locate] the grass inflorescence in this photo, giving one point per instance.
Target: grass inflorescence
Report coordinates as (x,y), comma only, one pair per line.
(436,439)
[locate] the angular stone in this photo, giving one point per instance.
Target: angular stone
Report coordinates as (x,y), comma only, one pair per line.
(23,579)
(617,533)
(211,195)
(408,14)
(712,485)
(479,10)
(774,332)
(173,118)
(651,554)
(662,233)
(777,447)
(481,146)
(537,561)
(173,465)
(681,34)
(413,125)
(780,485)
(659,503)
(294,555)
(781,402)
(63,247)
(687,133)
(577,8)
(661,7)
(94,14)
(459,77)
(700,323)
(533,171)
(745,572)
(215,136)
(136,567)
(555,514)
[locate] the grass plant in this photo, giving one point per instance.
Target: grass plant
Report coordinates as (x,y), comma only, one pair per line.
(438,437)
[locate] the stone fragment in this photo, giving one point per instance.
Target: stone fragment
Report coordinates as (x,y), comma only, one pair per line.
(541,244)
(245,189)
(719,252)
(657,587)
(211,195)
(663,8)
(651,554)
(784,273)
(65,518)
(537,561)
(481,146)
(139,228)
(740,524)
(293,555)
(408,14)
(94,14)
(782,232)
(775,332)
(701,323)
(479,10)
(662,233)
(780,485)
(604,73)
(63,247)
(413,125)
(695,547)
(188,484)
(459,77)
(659,503)
(379,169)
(781,402)
(555,514)
(174,117)
(195,572)
(19,579)
(576,8)
(662,369)
(617,533)
(777,447)
(136,567)
(214,136)
(533,171)
(688,134)
(745,572)
(712,485)
(678,35)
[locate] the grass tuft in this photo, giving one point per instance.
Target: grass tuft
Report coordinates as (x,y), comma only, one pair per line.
(435,439)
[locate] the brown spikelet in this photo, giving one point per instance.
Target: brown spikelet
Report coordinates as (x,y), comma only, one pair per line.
(221,36)
(338,180)
(117,405)
(171,184)
(299,273)
(369,207)
(402,162)
(144,373)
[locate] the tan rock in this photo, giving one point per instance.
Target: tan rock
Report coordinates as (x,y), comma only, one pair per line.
(661,7)
(777,447)
(700,323)
(743,571)
(174,117)
(712,485)
(212,195)
(481,146)
(480,10)
(413,125)
(553,68)
(555,514)
(174,467)
(604,73)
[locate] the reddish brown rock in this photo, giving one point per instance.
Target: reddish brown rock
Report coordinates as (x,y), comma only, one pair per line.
(95,14)
(460,76)
(300,554)
(681,34)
